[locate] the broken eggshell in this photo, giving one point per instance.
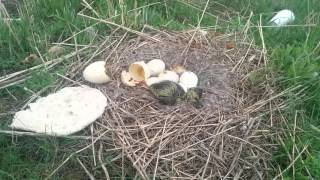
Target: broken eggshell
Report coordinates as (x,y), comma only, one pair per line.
(179,69)
(96,73)
(127,79)
(189,79)
(170,76)
(203,32)
(139,71)
(156,66)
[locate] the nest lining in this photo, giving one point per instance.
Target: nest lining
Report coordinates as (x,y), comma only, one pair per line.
(219,140)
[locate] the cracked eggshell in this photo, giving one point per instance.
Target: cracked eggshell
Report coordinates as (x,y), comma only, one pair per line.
(127,79)
(139,71)
(96,73)
(179,69)
(189,79)
(153,80)
(156,66)
(170,76)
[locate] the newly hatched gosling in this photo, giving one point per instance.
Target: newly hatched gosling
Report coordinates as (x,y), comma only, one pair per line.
(167,92)
(170,93)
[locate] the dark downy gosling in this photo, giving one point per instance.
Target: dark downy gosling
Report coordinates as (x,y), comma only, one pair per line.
(169,93)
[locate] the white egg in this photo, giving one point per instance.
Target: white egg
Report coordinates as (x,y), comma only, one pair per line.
(96,73)
(156,66)
(139,71)
(169,76)
(189,79)
(184,87)
(283,18)
(153,80)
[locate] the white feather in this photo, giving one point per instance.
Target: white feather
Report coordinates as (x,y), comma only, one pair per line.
(283,18)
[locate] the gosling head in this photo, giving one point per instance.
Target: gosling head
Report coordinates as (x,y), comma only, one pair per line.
(194,96)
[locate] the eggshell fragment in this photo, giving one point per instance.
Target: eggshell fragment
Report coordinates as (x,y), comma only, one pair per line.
(179,69)
(170,76)
(189,79)
(203,32)
(127,79)
(96,73)
(153,80)
(139,71)
(156,66)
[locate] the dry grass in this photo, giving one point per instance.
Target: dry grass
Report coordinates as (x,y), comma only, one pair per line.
(227,138)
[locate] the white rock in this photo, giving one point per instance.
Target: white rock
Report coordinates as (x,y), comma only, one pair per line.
(96,73)
(139,71)
(156,66)
(65,112)
(283,18)
(169,76)
(189,79)
(153,80)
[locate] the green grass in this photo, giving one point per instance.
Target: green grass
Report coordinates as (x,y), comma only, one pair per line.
(295,61)
(293,58)
(29,157)
(42,23)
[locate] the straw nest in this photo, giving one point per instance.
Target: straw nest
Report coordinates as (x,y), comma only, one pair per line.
(223,139)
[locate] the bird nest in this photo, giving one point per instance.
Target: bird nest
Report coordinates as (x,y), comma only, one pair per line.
(222,139)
